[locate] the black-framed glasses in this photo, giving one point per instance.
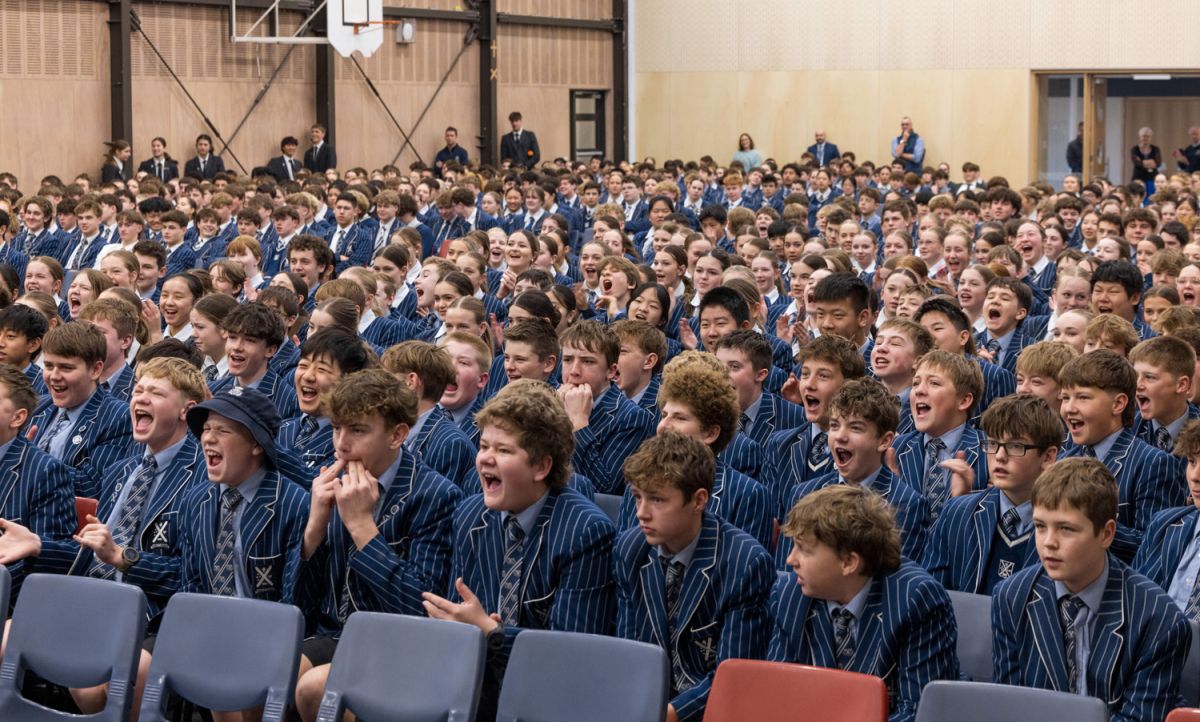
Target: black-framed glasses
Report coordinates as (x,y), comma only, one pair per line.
(1013,448)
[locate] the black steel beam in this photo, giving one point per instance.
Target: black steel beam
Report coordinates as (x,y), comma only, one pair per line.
(290,5)
(620,79)
(120,28)
(326,76)
(462,16)
(489,76)
(606,26)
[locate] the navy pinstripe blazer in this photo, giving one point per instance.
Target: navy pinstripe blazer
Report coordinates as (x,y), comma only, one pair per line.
(788,466)
(735,497)
(355,249)
(1144,430)
(157,572)
(276,387)
(906,636)
(101,434)
(272,536)
(120,386)
(616,428)
(1146,484)
(38,492)
(722,605)
(960,542)
(385,332)
(34,374)
(910,457)
(566,581)
(302,463)
(649,400)
(1137,651)
(743,454)
(912,511)
(442,446)
(1170,533)
(774,415)
(1021,338)
(410,555)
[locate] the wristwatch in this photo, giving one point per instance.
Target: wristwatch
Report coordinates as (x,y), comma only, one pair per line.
(129,557)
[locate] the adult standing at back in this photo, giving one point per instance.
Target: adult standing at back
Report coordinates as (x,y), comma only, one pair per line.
(746,154)
(321,156)
(822,151)
(909,147)
(1147,159)
(520,147)
(1188,159)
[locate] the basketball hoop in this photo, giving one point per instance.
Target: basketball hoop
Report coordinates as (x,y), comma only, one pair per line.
(352,25)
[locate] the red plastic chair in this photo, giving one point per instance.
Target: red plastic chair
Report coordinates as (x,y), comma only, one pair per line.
(1184,715)
(83,507)
(745,689)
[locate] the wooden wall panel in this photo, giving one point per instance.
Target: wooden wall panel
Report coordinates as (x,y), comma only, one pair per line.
(1169,118)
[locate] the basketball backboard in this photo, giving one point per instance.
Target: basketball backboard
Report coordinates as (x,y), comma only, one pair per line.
(351,25)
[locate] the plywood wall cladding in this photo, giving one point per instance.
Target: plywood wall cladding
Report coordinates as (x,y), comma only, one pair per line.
(777,70)
(54,106)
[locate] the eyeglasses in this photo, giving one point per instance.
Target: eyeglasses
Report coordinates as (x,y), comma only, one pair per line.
(1012,448)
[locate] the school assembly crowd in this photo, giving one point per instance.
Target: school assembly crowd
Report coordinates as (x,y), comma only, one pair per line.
(887,380)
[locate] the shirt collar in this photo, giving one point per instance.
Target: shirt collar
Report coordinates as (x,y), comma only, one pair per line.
(752,409)
(1105,445)
(684,556)
(951,438)
(1025,511)
(1041,264)
(249,487)
(416,428)
(167,455)
(388,476)
(867,483)
(528,516)
(366,320)
(1175,426)
(857,604)
(1091,595)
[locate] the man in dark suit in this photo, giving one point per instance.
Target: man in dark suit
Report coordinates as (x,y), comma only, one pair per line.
(824,152)
(520,146)
(285,167)
(321,156)
(205,166)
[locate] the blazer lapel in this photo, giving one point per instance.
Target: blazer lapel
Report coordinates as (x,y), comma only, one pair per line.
(1042,610)
(696,581)
(178,475)
(208,527)
(12,465)
(870,633)
(485,541)
(822,648)
(983,521)
(654,596)
(1120,449)
(529,560)
(261,510)
(714,499)
(77,440)
(1108,638)
(910,461)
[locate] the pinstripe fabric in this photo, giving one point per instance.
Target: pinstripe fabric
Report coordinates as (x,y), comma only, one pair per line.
(34,374)
(180,259)
(735,497)
(385,332)
(274,385)
(1165,541)
(960,542)
(157,572)
(787,465)
(1144,429)
(101,435)
(722,610)
(301,462)
(272,534)
(285,359)
(912,512)
(566,582)
(120,386)
(356,247)
(443,447)
(649,400)
(410,555)
(997,383)
(1020,339)
(775,414)
(37,492)
(906,635)
(616,428)
(910,457)
(743,454)
(1139,642)
(1146,484)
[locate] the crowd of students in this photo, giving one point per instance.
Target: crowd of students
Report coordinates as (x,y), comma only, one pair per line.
(824,395)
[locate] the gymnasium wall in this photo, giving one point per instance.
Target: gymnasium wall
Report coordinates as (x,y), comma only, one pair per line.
(704,71)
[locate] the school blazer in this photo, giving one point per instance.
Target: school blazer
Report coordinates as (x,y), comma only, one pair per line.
(36,491)
(616,428)
(775,414)
(743,454)
(120,386)
(320,160)
(735,497)
(1146,484)
(410,555)
(912,512)
(960,542)
(1170,533)
(274,384)
(1144,429)
(906,636)
(788,465)
(356,247)
(566,579)
(997,383)
(170,168)
(101,434)
(299,463)
(157,572)
(910,456)
(1138,646)
(212,166)
(722,605)
(272,537)
(443,447)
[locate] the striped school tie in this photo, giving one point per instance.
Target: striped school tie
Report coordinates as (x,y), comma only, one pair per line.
(225,559)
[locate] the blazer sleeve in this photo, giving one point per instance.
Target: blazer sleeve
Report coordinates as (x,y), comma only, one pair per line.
(600,459)
(1152,688)
(1006,647)
(936,555)
(928,652)
(292,543)
(584,600)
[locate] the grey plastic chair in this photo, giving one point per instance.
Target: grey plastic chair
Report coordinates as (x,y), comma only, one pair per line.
(1189,683)
(5,588)
(224,654)
(625,680)
(396,667)
(610,504)
(973,614)
(982,702)
(73,632)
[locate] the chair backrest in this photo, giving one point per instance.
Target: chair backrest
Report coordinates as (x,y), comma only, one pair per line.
(226,654)
(745,689)
(73,632)
(390,666)
(5,588)
(1189,683)
(84,506)
(983,702)
(610,504)
(973,614)
(1184,714)
(625,680)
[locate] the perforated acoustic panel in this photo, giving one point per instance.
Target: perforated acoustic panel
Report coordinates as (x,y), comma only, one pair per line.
(51,39)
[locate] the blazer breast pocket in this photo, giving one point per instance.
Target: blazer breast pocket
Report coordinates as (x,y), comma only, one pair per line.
(537,611)
(698,647)
(159,535)
(266,576)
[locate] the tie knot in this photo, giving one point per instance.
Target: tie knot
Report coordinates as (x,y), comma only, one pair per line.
(231,498)
(935,447)
(1089,451)
(842,617)
(513,530)
(1069,607)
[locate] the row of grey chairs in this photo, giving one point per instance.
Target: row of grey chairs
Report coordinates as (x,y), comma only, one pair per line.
(224,653)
